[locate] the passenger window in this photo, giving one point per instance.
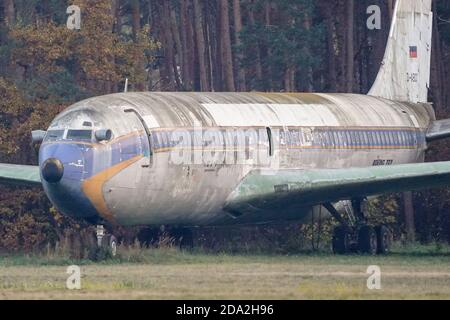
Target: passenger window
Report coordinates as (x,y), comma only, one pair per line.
(369,138)
(342,139)
(376,141)
(402,138)
(365,139)
(198,138)
(294,138)
(349,138)
(247,148)
(337,141)
(164,139)
(320,139)
(325,139)
(388,139)
(288,138)
(351,142)
(372,137)
(155,140)
(383,138)
(391,139)
(358,139)
(330,139)
(393,136)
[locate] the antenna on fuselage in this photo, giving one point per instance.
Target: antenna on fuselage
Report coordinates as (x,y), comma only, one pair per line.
(125,89)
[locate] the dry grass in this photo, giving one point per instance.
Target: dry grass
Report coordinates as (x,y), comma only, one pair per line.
(420,273)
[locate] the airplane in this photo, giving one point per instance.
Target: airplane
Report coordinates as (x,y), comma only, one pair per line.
(211,159)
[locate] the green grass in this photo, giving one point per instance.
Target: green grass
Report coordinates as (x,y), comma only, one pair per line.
(421,272)
(401,254)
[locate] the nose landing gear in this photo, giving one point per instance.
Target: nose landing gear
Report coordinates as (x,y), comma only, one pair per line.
(106,242)
(356,235)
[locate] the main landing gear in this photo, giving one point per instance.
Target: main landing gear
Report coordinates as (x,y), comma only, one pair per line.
(355,235)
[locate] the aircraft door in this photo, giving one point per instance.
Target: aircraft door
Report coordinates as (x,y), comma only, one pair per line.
(265,147)
(145,139)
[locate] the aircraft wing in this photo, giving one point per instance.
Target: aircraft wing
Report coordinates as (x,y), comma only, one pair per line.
(11,174)
(278,190)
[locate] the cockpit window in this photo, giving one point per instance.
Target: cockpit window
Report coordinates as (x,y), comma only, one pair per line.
(79,135)
(54,135)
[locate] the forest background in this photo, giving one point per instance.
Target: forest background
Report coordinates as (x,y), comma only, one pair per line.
(194,45)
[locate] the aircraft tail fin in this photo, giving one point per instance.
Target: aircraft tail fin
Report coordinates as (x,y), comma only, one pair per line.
(405,71)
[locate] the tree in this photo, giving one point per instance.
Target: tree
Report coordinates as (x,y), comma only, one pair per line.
(10,15)
(409,216)
(200,39)
(239,56)
(187,45)
(227,59)
(350,7)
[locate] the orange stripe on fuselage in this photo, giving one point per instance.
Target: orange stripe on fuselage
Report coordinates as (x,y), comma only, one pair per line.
(93,187)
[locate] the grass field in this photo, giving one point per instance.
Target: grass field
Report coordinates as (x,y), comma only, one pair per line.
(419,272)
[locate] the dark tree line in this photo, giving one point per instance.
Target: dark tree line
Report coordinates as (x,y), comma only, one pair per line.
(190,45)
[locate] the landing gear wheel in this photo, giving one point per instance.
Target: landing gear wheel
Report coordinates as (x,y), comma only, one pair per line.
(367,240)
(113,246)
(109,243)
(383,239)
(341,240)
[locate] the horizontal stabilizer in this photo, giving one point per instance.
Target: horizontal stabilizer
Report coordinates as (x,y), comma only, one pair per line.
(11,174)
(277,190)
(439,130)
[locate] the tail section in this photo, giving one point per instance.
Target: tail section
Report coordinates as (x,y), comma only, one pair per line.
(405,71)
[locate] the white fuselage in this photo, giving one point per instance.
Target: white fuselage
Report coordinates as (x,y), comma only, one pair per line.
(202,145)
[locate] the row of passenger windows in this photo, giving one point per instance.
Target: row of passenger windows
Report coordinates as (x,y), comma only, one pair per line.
(355,138)
(329,138)
(164,139)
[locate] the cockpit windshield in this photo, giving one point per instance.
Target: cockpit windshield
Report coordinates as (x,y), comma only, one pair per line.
(79,135)
(72,135)
(54,135)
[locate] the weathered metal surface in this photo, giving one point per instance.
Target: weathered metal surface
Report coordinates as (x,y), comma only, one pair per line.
(153,190)
(20,175)
(247,109)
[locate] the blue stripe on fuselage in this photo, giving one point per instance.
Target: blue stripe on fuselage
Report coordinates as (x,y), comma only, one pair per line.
(99,157)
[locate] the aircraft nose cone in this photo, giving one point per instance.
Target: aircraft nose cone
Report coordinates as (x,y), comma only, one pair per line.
(52,170)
